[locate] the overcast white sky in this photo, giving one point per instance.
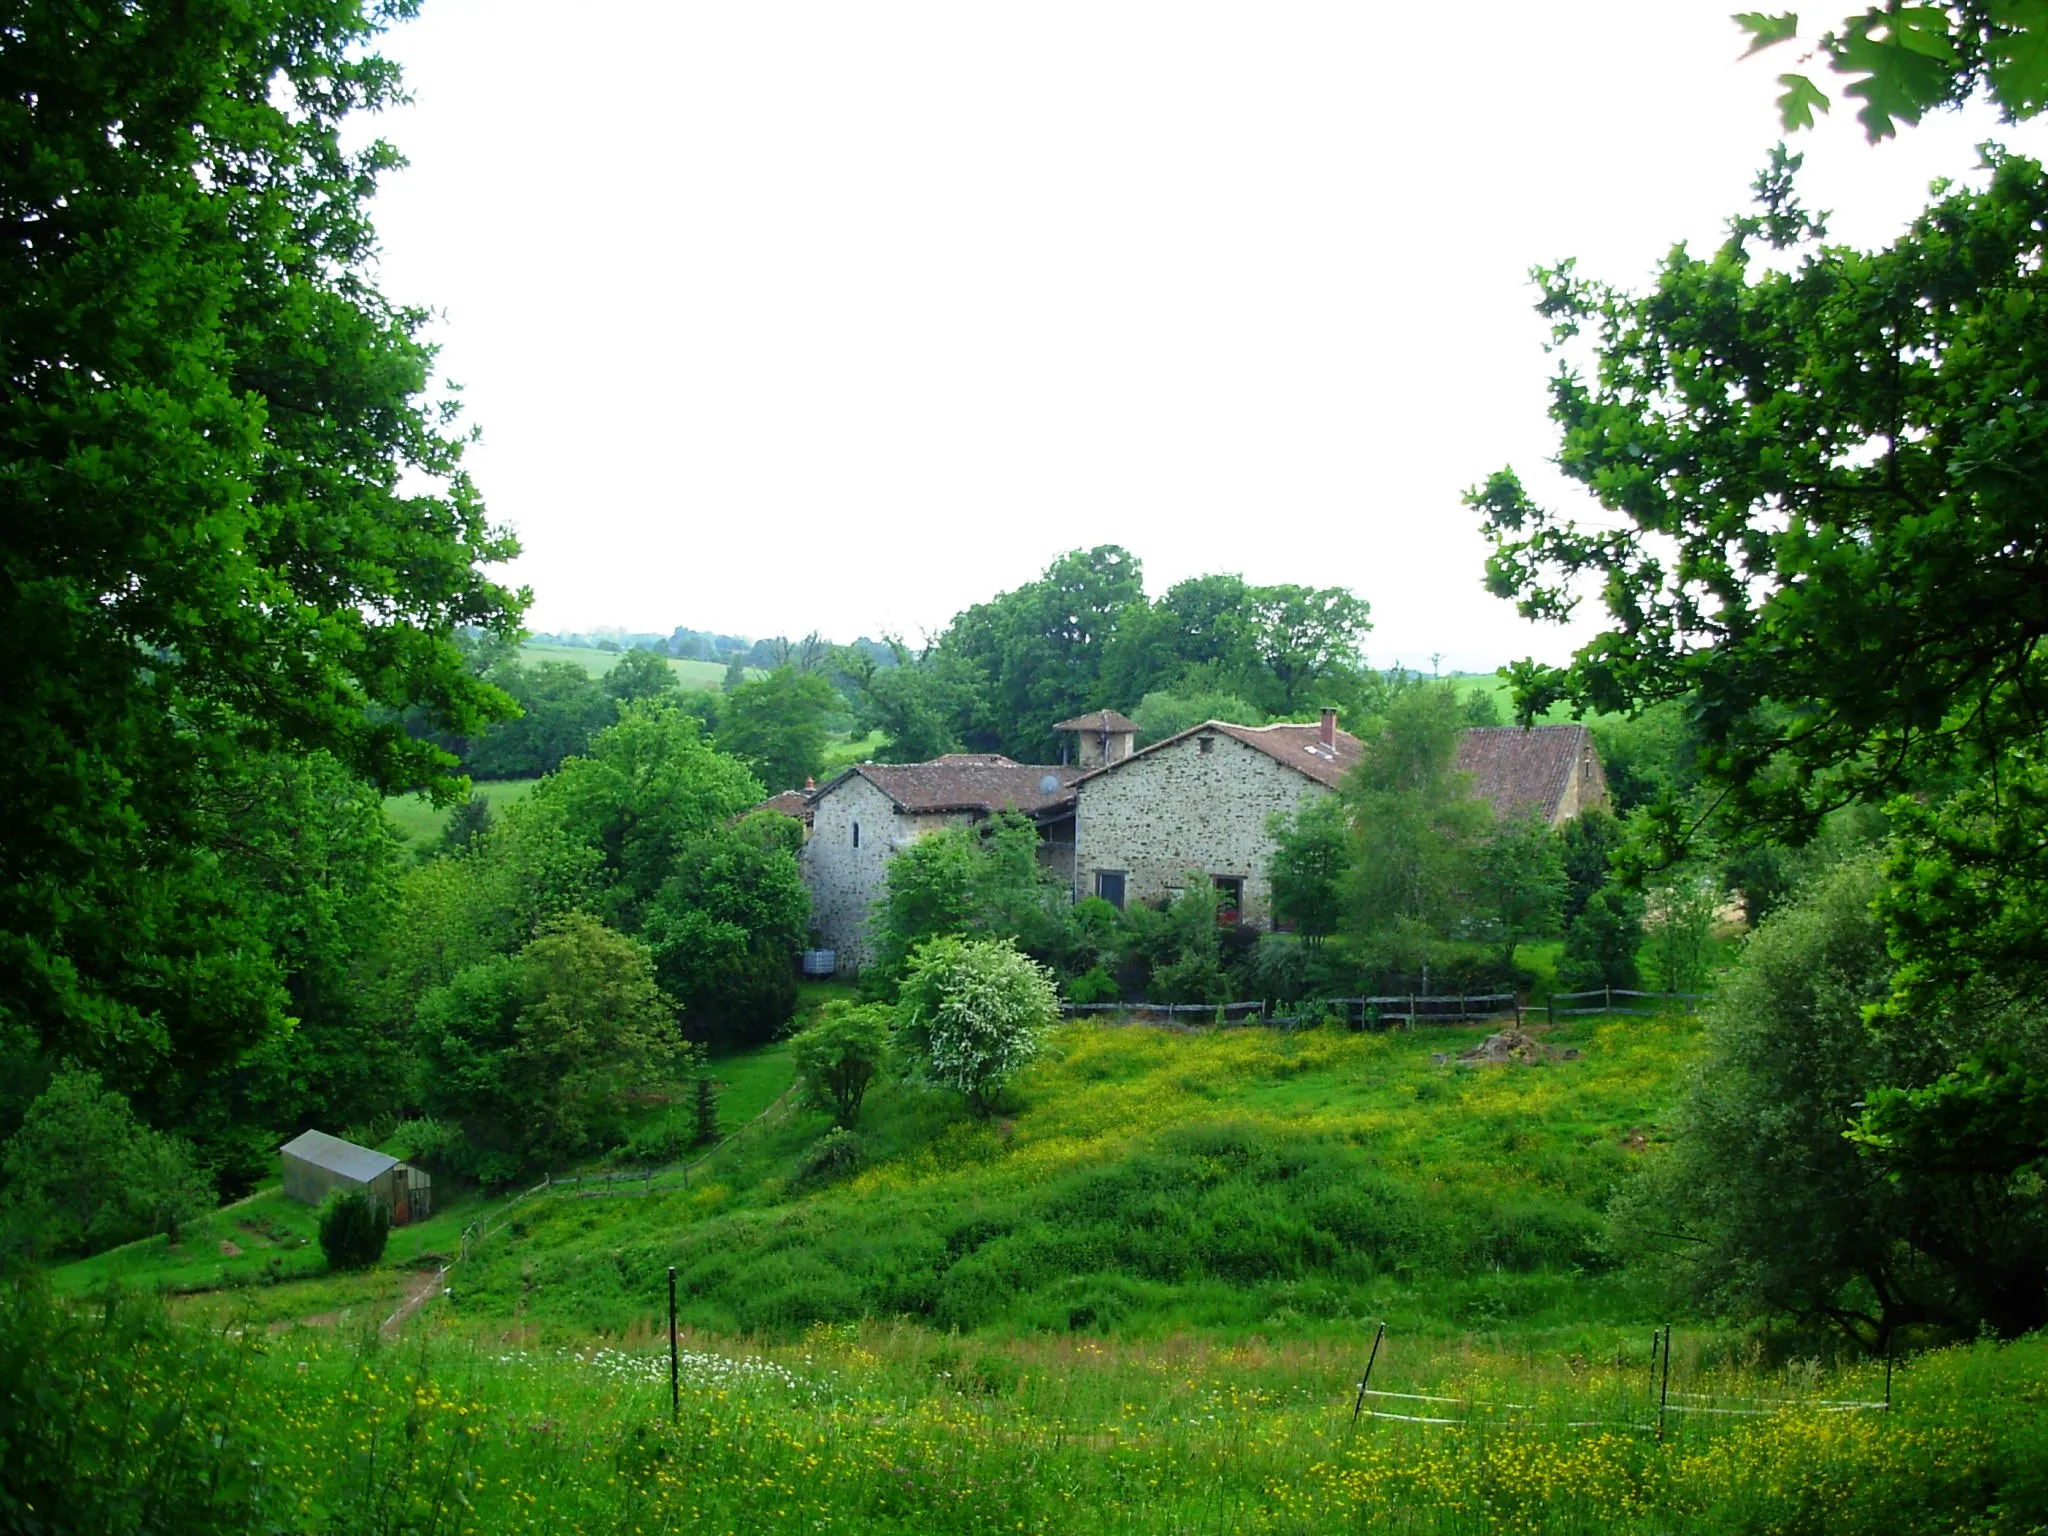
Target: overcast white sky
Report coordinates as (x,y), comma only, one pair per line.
(844,315)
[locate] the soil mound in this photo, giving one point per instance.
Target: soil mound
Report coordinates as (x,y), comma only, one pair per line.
(1512,1046)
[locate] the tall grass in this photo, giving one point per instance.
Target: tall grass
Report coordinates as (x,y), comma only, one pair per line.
(115,1420)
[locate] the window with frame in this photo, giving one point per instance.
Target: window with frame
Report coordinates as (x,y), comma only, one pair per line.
(856,834)
(1109,885)
(1229,897)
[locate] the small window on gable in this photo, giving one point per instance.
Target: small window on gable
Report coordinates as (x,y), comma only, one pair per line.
(856,834)
(1206,743)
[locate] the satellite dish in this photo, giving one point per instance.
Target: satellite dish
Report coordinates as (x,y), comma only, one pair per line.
(1049,785)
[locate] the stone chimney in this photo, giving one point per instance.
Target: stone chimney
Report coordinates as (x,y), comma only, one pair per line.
(1328,731)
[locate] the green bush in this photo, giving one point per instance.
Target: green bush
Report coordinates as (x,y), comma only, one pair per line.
(353,1230)
(833,1155)
(1094,985)
(840,1054)
(661,1141)
(1601,942)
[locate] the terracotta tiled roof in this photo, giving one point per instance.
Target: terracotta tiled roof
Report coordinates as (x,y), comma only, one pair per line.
(965,781)
(1517,771)
(1101,720)
(1523,771)
(791,802)
(1300,747)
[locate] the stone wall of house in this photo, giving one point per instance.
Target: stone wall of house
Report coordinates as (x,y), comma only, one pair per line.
(1162,814)
(846,879)
(1586,787)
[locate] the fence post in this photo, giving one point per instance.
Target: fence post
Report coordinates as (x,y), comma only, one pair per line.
(1411,1010)
(1518,1011)
(1367,1377)
(1664,1391)
(1550,1008)
(1464,1014)
(1607,998)
(675,1386)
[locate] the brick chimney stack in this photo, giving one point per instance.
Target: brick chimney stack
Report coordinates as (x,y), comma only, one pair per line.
(1329,728)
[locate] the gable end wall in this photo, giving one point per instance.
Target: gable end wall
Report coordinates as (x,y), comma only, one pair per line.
(846,882)
(1179,809)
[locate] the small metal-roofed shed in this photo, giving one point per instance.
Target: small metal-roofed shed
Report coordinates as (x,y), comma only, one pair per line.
(317,1164)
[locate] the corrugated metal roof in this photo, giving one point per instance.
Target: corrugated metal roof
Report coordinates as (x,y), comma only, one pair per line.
(338,1156)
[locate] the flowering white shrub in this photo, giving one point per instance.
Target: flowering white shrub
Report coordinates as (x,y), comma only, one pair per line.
(974,1011)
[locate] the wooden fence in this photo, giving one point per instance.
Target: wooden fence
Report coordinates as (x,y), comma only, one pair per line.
(1407,1010)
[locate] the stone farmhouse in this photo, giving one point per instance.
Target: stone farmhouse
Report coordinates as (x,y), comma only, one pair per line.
(1130,825)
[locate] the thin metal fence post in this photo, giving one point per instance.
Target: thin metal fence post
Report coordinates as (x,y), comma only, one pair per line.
(1656,1338)
(1367,1377)
(1887,1373)
(1664,1391)
(675,1380)
(1608,1000)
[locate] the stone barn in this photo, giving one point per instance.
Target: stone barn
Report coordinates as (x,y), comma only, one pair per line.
(1199,802)
(316,1165)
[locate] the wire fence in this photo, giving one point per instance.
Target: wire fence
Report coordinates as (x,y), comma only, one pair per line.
(1638,1403)
(1688,1002)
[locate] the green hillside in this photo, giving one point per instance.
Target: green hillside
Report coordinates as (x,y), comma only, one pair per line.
(1503,695)
(1138,1300)
(1146,1181)
(692,674)
(419,822)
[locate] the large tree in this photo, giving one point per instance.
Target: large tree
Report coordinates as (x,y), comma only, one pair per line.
(1827,485)
(1416,827)
(776,725)
(1042,648)
(1832,548)
(1301,646)
(231,520)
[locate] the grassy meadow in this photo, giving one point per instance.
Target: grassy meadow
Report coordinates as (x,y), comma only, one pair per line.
(142,1425)
(419,822)
(1136,1299)
(693,675)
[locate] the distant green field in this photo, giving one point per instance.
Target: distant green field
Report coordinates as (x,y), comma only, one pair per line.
(692,674)
(845,752)
(420,823)
(1504,696)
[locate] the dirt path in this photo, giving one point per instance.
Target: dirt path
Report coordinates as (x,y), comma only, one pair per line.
(417,1294)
